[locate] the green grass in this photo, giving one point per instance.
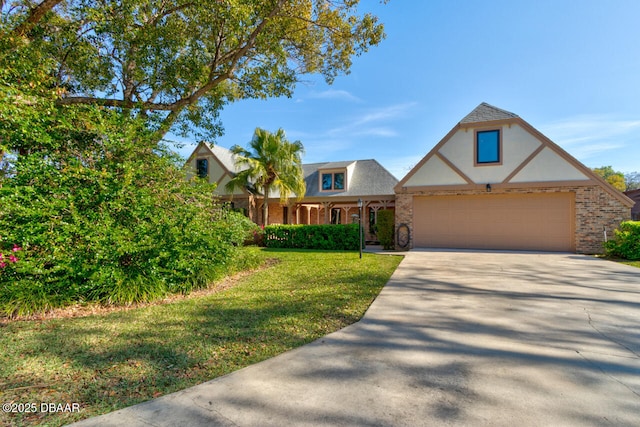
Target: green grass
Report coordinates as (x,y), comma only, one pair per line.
(106,362)
(621,261)
(631,263)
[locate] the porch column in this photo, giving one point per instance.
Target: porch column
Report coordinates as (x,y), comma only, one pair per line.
(375,214)
(327,207)
(347,218)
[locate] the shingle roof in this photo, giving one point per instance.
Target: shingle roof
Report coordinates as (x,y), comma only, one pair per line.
(225,156)
(369,178)
(487,113)
(336,165)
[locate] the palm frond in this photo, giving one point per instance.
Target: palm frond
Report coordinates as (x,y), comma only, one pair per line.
(271,162)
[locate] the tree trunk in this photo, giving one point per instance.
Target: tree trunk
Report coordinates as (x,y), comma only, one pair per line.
(265,207)
(35,15)
(165,126)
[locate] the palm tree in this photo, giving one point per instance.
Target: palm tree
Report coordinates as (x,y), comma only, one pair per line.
(271,163)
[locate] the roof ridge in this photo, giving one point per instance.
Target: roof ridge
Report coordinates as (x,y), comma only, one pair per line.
(486,113)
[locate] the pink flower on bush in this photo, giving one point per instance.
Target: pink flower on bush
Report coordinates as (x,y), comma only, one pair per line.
(12,257)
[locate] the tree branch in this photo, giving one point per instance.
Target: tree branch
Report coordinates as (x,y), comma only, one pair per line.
(166,125)
(193,95)
(35,15)
(168,12)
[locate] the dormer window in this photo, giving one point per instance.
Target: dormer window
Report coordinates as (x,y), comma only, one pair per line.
(333,181)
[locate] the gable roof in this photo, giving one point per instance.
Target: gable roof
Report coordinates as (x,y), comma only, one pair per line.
(487,113)
(225,156)
(366,177)
(543,157)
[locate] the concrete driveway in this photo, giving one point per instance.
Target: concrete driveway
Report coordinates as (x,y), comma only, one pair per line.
(455,338)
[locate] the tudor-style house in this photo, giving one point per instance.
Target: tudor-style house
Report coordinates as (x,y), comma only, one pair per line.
(493,182)
(333,190)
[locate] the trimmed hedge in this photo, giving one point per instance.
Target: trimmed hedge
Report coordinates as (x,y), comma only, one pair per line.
(626,242)
(386,228)
(329,237)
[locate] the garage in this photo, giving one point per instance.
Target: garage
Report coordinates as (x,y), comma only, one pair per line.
(495,182)
(543,221)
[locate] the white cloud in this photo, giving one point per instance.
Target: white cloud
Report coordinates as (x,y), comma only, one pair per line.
(335,94)
(378,131)
(402,165)
(361,124)
(588,136)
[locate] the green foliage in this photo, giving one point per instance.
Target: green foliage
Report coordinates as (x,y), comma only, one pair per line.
(327,237)
(615,178)
(108,219)
(87,89)
(626,242)
(271,164)
(28,117)
(386,228)
(176,64)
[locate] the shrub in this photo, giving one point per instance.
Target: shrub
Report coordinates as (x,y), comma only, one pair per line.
(328,236)
(386,228)
(626,241)
(112,221)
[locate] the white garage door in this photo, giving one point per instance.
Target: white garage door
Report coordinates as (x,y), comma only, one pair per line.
(542,221)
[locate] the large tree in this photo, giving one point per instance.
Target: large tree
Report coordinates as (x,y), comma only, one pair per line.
(632,181)
(177,62)
(271,165)
(613,177)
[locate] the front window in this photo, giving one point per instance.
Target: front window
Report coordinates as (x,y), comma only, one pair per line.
(333,181)
(327,181)
(488,146)
(202,166)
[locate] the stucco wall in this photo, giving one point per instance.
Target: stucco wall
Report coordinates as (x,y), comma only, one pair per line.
(517,146)
(548,166)
(435,172)
(217,174)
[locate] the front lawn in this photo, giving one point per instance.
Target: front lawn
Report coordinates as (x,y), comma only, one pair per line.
(631,263)
(106,362)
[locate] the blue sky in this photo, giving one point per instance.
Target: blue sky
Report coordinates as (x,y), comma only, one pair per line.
(570,68)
